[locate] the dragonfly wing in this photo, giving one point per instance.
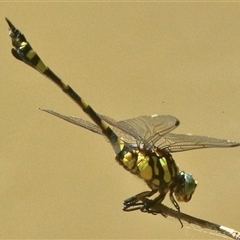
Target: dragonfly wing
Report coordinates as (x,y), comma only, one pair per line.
(92,127)
(122,129)
(76,120)
(131,130)
(185,142)
(148,128)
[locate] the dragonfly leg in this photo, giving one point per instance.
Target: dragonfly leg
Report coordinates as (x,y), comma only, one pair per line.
(136,202)
(151,202)
(174,202)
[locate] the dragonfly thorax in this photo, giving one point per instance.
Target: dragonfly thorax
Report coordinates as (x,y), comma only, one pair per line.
(156,167)
(160,172)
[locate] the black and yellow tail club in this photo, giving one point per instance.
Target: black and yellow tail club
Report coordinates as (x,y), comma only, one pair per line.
(23,51)
(142,145)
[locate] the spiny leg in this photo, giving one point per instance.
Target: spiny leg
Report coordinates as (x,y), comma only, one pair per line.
(174,202)
(142,202)
(137,201)
(152,202)
(23,51)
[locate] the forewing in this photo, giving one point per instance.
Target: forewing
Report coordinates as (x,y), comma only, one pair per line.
(149,128)
(142,129)
(123,130)
(155,128)
(185,142)
(76,120)
(92,127)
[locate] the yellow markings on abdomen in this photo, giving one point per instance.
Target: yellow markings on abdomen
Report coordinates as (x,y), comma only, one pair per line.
(40,66)
(22,44)
(167,175)
(31,54)
(104,124)
(145,170)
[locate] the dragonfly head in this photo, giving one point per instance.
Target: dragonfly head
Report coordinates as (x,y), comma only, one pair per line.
(185,187)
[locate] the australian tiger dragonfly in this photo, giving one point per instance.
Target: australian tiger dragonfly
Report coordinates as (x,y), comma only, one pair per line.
(142,145)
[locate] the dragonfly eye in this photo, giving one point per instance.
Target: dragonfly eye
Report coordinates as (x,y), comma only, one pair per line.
(185,187)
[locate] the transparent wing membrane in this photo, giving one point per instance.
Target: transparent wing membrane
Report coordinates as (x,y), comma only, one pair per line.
(76,120)
(154,129)
(185,142)
(149,128)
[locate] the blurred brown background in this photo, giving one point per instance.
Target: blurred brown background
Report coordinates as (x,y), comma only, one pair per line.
(126,60)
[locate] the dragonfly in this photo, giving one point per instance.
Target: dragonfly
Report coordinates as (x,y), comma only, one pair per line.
(143,145)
